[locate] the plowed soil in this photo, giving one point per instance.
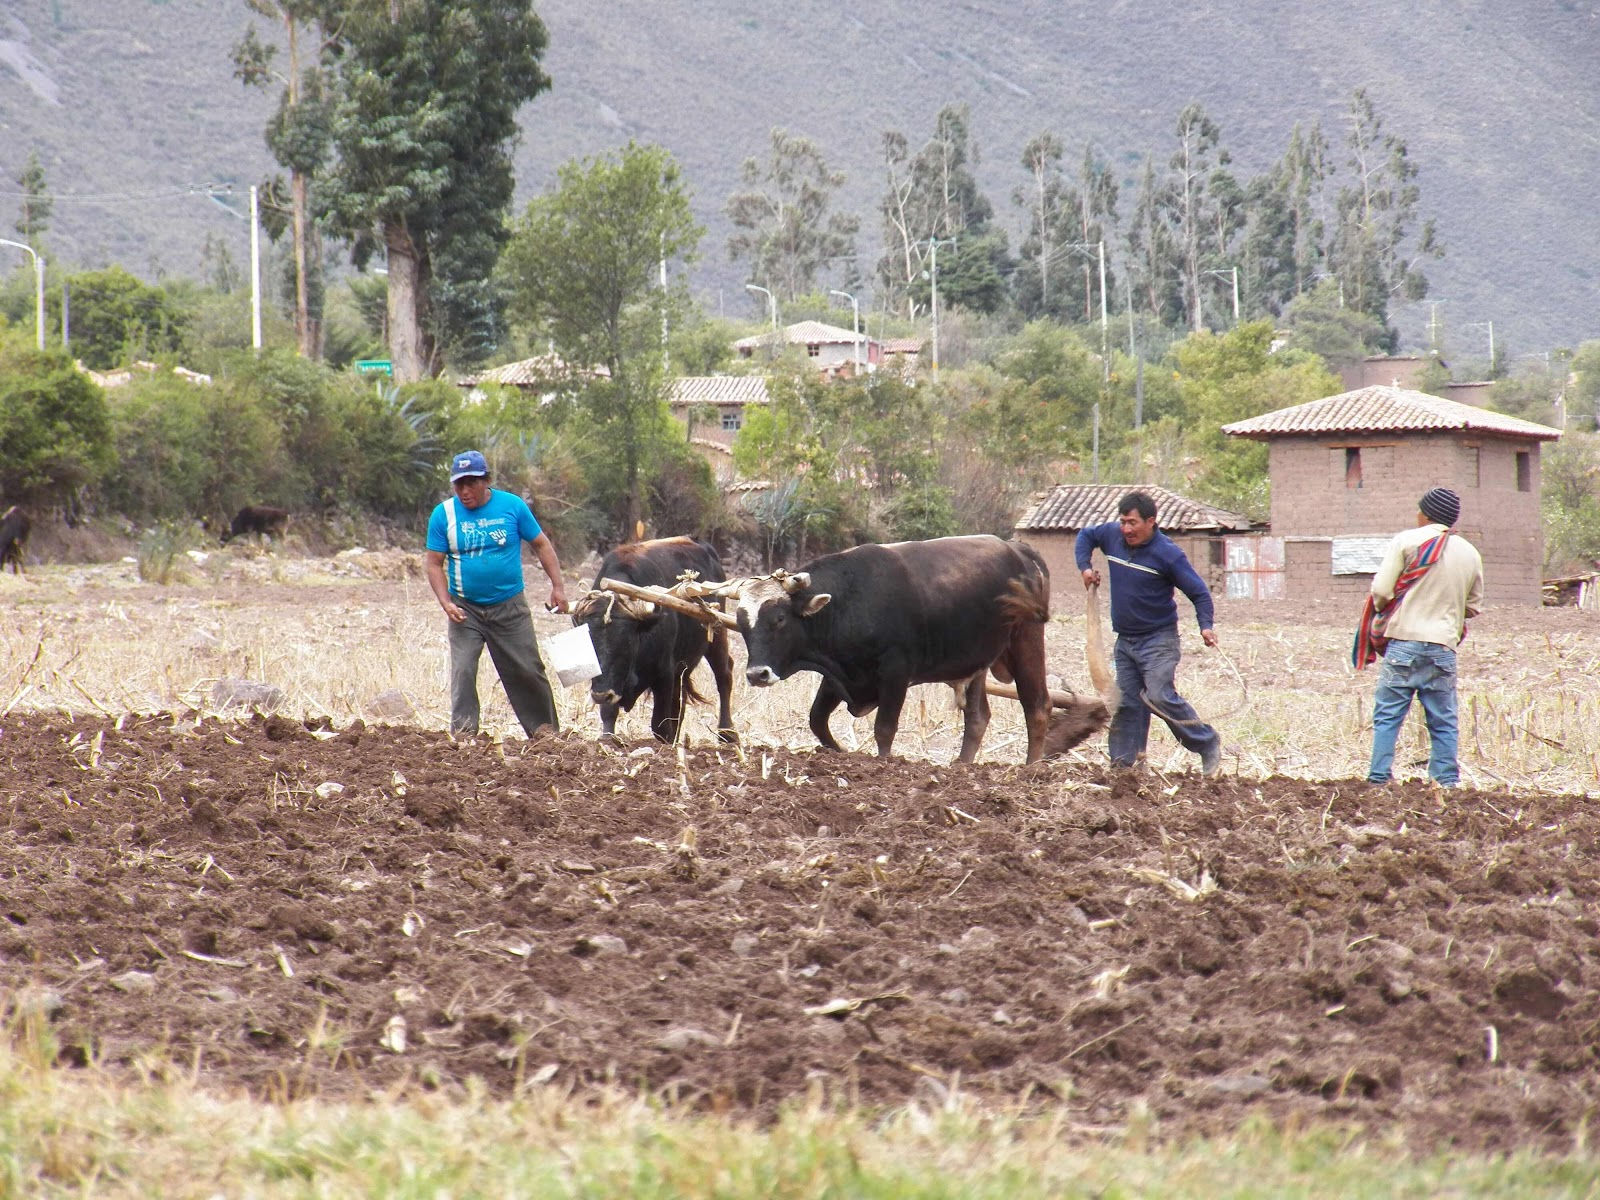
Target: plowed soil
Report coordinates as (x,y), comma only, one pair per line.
(288,910)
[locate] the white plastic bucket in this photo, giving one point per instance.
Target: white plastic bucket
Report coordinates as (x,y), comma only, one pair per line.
(571,655)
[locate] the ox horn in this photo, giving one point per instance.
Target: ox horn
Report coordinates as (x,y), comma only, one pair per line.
(796,582)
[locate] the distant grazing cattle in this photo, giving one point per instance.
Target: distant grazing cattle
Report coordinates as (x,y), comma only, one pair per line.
(257,519)
(875,620)
(14,526)
(644,648)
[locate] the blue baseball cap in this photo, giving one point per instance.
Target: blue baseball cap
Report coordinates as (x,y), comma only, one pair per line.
(468,462)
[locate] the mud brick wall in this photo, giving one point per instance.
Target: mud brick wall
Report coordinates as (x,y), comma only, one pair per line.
(1333,486)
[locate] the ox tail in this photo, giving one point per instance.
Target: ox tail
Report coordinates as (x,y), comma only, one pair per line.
(1027,600)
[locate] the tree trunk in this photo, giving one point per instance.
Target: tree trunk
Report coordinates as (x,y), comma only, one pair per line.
(305,338)
(410,344)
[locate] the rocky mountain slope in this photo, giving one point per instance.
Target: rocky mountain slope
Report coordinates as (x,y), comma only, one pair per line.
(131,102)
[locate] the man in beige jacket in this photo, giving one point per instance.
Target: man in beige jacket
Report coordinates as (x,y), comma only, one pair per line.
(1423,632)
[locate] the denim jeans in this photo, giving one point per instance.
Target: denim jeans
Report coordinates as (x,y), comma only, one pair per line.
(1427,671)
(1147,663)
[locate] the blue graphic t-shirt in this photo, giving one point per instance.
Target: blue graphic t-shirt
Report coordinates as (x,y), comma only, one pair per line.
(482,547)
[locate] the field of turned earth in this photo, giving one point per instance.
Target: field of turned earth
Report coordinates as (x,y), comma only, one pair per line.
(334,897)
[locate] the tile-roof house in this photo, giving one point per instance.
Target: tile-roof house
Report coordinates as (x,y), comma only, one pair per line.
(712,407)
(829,347)
(1347,472)
(1053,519)
(546,374)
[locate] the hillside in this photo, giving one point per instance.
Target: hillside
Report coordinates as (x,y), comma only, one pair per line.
(134,99)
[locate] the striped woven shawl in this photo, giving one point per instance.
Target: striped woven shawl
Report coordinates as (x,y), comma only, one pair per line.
(1370,641)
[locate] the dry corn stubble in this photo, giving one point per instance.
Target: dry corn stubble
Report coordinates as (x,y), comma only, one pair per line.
(336,633)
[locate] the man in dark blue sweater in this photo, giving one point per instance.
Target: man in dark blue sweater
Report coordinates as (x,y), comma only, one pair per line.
(1145,566)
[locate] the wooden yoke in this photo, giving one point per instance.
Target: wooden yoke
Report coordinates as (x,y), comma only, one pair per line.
(689,598)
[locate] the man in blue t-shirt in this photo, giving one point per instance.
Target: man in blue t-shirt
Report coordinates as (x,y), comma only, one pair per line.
(1145,566)
(474,564)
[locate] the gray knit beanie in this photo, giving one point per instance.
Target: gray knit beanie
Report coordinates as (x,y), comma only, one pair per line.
(1441,505)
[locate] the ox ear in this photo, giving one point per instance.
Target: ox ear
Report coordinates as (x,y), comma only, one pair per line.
(815,605)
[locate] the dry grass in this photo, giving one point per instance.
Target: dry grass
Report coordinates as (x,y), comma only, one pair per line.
(335,633)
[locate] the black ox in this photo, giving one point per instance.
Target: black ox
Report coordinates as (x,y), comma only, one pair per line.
(874,620)
(14,526)
(644,648)
(258,519)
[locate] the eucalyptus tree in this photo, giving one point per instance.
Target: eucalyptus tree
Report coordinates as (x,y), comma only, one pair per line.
(581,272)
(423,126)
(782,219)
(299,132)
(1374,253)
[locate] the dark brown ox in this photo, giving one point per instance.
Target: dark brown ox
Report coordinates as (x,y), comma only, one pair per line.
(257,519)
(644,648)
(14,526)
(875,620)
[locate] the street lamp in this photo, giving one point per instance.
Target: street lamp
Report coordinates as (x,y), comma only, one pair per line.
(855,315)
(38,285)
(1234,272)
(772,302)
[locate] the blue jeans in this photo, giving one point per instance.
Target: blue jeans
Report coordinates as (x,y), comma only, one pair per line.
(1427,671)
(1147,663)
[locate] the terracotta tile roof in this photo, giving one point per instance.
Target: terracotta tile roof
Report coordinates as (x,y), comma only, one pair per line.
(1072,506)
(1385,410)
(902,345)
(540,371)
(720,389)
(802,333)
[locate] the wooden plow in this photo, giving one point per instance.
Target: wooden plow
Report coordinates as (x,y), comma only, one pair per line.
(703,601)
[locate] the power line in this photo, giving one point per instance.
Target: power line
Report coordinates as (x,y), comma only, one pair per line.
(193,189)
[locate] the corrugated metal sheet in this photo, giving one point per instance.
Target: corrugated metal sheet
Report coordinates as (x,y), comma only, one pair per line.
(1255,568)
(803,333)
(1385,410)
(1359,554)
(720,389)
(1072,506)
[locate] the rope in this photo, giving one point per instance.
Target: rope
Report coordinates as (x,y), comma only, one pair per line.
(1244,699)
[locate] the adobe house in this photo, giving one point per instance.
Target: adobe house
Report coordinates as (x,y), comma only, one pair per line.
(1347,471)
(1052,521)
(830,348)
(544,375)
(712,407)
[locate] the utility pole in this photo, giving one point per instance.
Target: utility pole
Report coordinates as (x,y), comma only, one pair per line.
(1433,323)
(666,364)
(1138,358)
(933,266)
(255,267)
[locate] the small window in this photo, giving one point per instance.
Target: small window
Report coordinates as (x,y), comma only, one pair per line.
(1352,466)
(1524,471)
(730,422)
(1474,466)
(1217,552)
(813,349)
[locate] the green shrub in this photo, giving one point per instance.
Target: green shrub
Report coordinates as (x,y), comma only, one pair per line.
(55,429)
(161,551)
